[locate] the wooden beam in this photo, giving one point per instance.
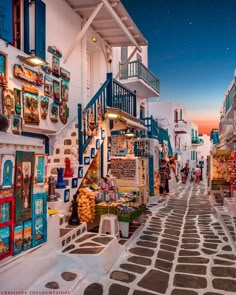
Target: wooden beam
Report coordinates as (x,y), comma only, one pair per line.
(121,24)
(83,31)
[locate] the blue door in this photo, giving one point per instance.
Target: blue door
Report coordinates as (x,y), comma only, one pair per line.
(7,174)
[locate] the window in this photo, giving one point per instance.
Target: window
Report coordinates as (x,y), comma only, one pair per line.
(142,111)
(176,116)
(15,19)
(181,114)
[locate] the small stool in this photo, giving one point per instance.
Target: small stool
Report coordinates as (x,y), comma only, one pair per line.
(109,225)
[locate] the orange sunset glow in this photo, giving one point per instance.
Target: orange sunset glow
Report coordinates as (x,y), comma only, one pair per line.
(205,123)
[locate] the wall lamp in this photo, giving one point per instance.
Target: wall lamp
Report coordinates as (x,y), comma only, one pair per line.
(130,133)
(32,61)
(112,116)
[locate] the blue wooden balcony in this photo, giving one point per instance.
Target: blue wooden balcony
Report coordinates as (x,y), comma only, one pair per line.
(197,141)
(137,76)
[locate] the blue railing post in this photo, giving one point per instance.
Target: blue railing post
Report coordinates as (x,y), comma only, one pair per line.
(135,105)
(109,90)
(80,134)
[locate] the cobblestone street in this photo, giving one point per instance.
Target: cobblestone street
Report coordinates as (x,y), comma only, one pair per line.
(182,250)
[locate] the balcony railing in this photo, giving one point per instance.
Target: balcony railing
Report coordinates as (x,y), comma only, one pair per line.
(181,127)
(135,69)
(197,140)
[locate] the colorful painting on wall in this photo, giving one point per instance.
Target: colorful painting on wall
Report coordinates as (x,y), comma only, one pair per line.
(28,75)
(55,51)
(63,112)
(47,69)
(3,69)
(17,97)
(27,234)
(39,229)
(56,66)
(16,124)
(44,103)
(8,102)
(6,226)
(24,181)
(65,74)
(7,174)
(31,106)
(54,111)
(40,169)
(66,195)
(64,90)
(48,86)
(56,91)
(18,238)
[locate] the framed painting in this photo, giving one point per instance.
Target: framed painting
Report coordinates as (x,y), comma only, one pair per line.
(63,112)
(56,92)
(66,195)
(64,90)
(27,234)
(17,98)
(39,221)
(40,169)
(93,151)
(7,172)
(65,74)
(8,102)
(16,124)
(48,86)
(24,181)
(98,144)
(23,73)
(103,134)
(7,209)
(31,107)
(44,103)
(18,238)
(74,183)
(55,66)
(80,172)
(54,50)
(3,69)
(86,160)
(54,111)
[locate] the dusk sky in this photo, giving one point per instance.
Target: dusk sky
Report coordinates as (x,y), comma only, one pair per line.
(192,50)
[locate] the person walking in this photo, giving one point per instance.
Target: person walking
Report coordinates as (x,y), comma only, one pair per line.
(163,177)
(197,174)
(192,175)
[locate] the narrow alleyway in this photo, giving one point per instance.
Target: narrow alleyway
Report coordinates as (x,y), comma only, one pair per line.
(182,250)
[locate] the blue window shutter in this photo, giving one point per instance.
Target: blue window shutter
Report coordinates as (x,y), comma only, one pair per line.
(40,28)
(6,21)
(26,27)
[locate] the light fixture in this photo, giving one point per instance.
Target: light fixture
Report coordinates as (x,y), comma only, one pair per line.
(32,60)
(130,133)
(94,39)
(112,116)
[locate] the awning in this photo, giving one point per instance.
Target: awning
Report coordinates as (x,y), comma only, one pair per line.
(110,20)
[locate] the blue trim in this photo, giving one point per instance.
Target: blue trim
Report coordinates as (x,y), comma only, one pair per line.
(40,29)
(26,27)
(109,90)
(87,142)
(40,136)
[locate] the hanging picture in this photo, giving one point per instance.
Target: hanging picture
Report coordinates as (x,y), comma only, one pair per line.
(18,238)
(39,226)
(56,66)
(8,102)
(54,50)
(65,74)
(6,226)
(74,182)
(48,86)
(17,97)
(24,181)
(56,91)
(47,69)
(28,75)
(3,69)
(7,170)
(44,103)
(31,106)
(16,124)
(66,195)
(63,112)
(80,172)
(64,90)
(54,110)
(40,169)
(27,234)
